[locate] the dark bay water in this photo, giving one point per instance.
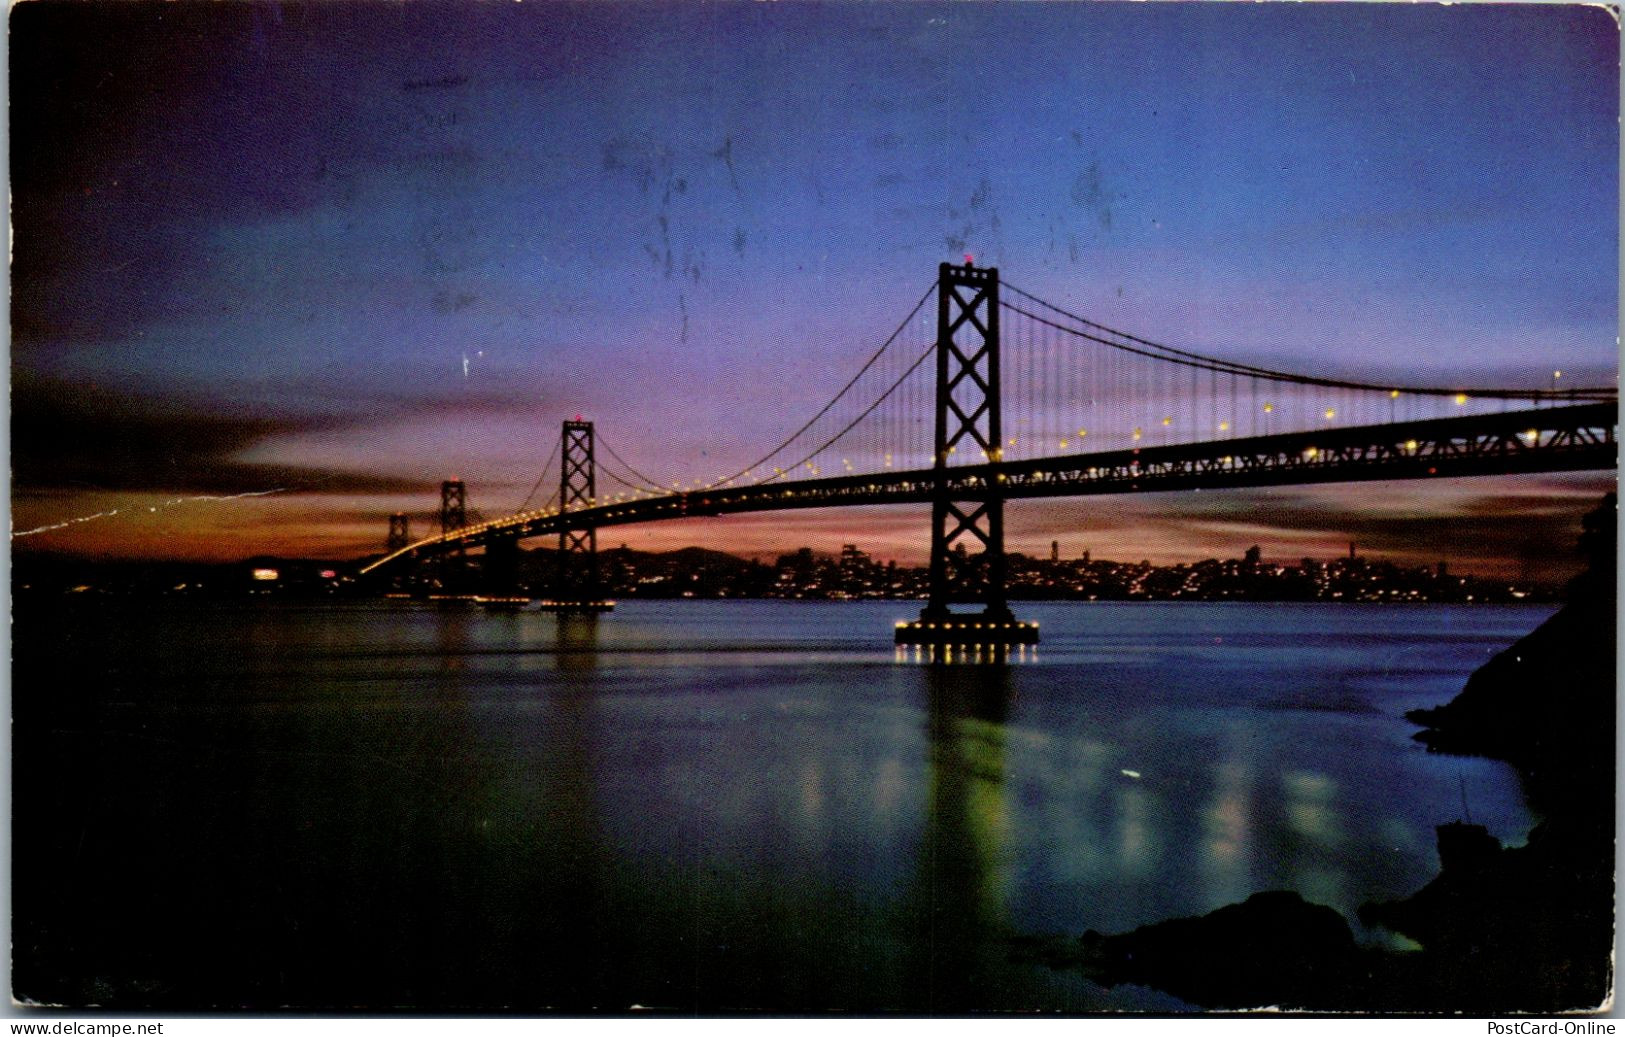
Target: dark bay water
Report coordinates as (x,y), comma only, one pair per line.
(700,805)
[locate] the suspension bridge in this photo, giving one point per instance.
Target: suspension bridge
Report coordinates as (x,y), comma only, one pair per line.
(995,394)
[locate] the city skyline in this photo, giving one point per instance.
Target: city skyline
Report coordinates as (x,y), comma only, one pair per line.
(278,271)
(849,574)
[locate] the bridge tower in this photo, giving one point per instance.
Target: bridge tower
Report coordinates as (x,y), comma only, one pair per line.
(453,517)
(399,532)
(968,426)
(576,586)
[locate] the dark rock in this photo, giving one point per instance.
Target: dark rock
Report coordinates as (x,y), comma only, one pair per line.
(1530,929)
(1465,847)
(1546,705)
(1273,949)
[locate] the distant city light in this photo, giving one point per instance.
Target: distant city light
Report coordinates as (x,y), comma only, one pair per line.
(266,574)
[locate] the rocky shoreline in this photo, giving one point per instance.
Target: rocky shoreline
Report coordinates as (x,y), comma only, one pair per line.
(1522,930)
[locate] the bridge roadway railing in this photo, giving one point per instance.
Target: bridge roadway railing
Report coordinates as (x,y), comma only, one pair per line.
(1574,438)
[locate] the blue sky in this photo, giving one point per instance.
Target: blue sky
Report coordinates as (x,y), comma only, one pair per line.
(254,243)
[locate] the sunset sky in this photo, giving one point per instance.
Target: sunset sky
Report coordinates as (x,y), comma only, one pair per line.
(344,251)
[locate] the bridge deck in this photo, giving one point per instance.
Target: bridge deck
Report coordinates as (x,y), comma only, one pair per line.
(1573,438)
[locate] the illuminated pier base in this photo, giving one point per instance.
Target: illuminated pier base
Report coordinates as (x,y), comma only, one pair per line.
(503,602)
(966,631)
(976,653)
(576,607)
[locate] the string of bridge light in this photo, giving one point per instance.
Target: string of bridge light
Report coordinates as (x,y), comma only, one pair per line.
(1127,392)
(1048,375)
(1049,380)
(643,482)
(550,505)
(638,484)
(637,489)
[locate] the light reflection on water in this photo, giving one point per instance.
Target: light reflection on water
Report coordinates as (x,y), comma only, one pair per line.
(715,805)
(966,655)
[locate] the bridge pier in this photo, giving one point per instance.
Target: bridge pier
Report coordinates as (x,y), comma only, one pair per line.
(452,567)
(968,417)
(575,588)
(499,574)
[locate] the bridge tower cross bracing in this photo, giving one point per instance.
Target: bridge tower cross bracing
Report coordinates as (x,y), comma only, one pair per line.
(399,532)
(453,507)
(968,424)
(576,588)
(453,518)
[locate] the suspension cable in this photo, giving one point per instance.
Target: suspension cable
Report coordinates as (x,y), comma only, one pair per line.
(1207,363)
(557,445)
(825,410)
(849,426)
(609,473)
(648,483)
(1286,376)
